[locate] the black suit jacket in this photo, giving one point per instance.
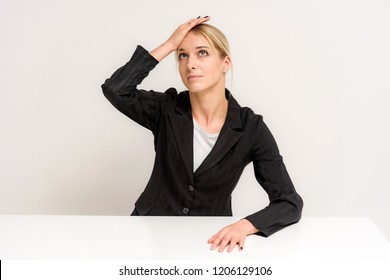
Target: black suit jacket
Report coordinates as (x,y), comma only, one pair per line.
(173,188)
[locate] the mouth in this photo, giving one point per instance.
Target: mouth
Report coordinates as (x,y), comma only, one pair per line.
(193,77)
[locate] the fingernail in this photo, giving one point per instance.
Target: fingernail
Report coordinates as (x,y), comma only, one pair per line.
(206,16)
(198,17)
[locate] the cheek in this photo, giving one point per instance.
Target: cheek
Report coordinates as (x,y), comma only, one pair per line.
(216,66)
(181,70)
(215,72)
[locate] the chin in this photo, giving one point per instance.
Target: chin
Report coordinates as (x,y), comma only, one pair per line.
(197,87)
(195,90)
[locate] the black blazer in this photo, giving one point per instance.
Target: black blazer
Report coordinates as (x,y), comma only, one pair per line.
(173,188)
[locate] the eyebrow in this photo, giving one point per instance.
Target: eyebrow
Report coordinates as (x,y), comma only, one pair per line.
(199,47)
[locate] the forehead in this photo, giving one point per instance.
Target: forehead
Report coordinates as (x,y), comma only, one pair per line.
(192,41)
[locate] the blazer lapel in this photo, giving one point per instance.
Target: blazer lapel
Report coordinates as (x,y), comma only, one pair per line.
(230,133)
(182,126)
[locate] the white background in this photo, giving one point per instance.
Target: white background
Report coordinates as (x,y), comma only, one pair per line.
(318,71)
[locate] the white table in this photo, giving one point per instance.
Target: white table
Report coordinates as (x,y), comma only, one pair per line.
(184,238)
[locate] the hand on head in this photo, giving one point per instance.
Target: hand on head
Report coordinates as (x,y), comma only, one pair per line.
(178,35)
(176,38)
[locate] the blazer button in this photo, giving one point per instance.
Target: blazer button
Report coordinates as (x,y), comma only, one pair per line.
(190,188)
(186,210)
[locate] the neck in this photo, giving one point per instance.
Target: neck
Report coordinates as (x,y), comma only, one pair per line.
(209,109)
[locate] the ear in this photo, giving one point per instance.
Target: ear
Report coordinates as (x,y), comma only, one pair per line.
(226,64)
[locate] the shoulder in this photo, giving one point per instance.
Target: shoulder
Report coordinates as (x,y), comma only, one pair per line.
(172,100)
(253,123)
(249,117)
(246,113)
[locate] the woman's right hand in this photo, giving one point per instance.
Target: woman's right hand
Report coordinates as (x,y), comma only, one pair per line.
(176,38)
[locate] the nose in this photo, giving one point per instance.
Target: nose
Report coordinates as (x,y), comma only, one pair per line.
(191,63)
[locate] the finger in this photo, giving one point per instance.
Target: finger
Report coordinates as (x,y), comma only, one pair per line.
(195,21)
(215,242)
(225,241)
(191,21)
(211,239)
(241,244)
(232,244)
(219,235)
(203,19)
(216,238)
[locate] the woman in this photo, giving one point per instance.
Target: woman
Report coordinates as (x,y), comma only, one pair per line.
(203,139)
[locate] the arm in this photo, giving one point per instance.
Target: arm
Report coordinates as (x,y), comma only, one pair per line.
(120,89)
(285,204)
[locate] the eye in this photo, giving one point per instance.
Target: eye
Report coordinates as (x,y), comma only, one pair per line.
(203,53)
(182,56)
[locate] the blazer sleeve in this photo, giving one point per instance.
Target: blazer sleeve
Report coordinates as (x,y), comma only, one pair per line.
(285,205)
(144,107)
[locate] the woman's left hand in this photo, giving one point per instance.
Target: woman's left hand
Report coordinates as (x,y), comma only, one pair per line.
(232,235)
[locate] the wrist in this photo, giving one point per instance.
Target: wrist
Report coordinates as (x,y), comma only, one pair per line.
(162,51)
(248,227)
(169,46)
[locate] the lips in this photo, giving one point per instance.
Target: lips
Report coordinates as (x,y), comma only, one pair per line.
(193,77)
